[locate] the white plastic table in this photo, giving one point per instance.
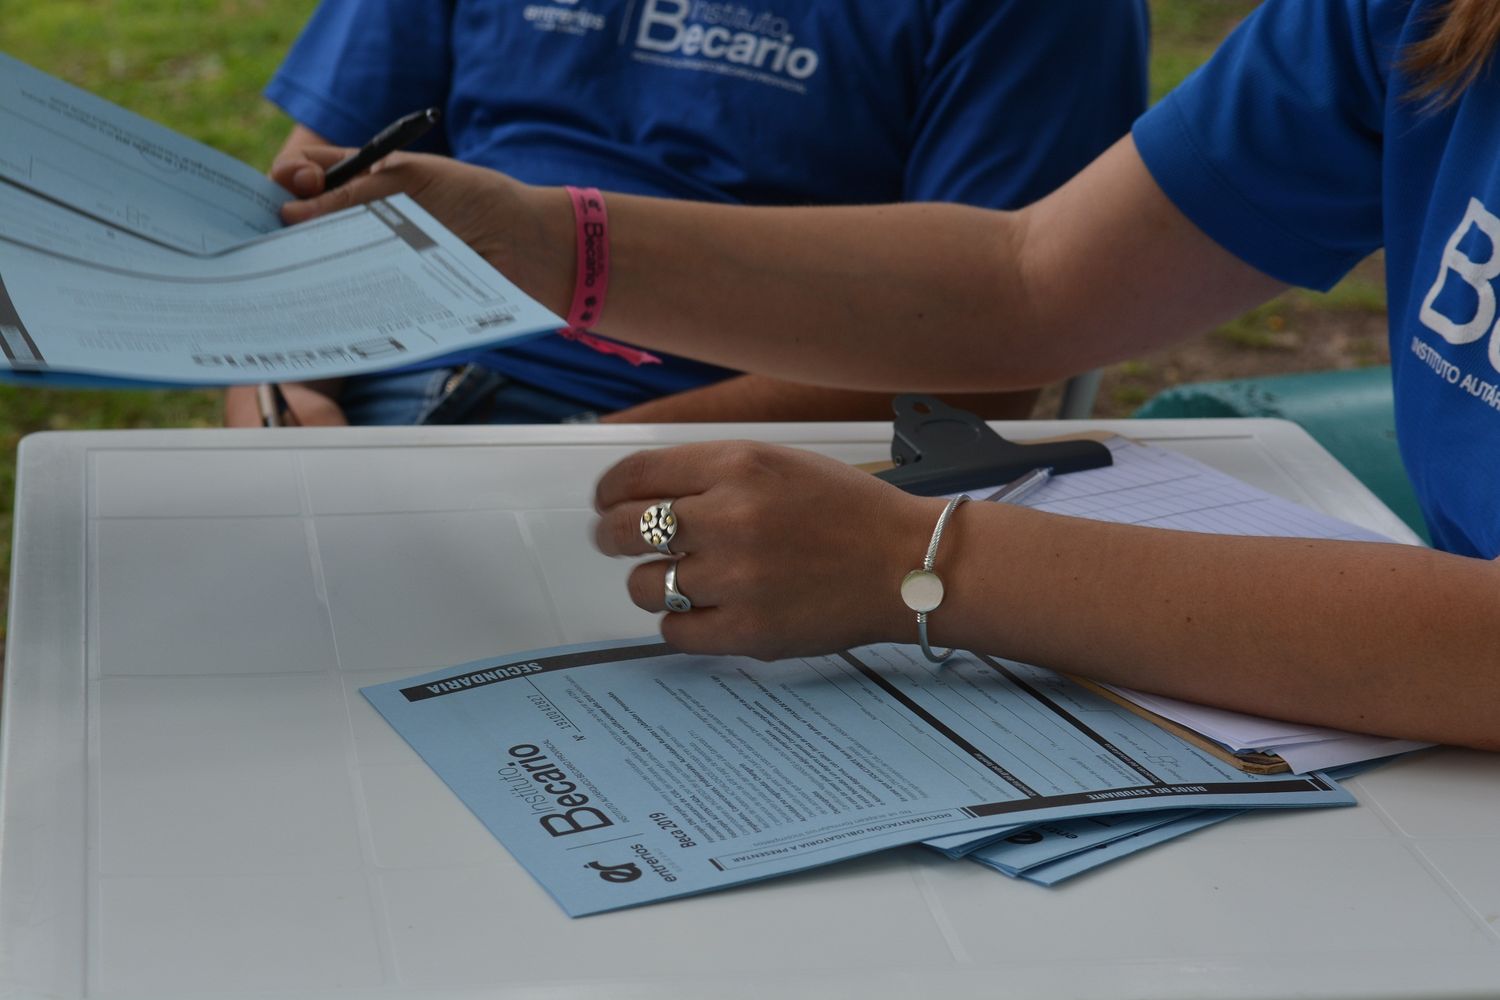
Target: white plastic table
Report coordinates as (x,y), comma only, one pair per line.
(195,801)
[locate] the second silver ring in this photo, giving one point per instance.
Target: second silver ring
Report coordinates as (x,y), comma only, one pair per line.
(677,601)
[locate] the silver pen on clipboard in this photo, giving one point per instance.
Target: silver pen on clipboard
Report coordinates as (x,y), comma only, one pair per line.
(1021,487)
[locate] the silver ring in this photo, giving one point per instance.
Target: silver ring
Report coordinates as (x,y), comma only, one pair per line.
(676,599)
(659,527)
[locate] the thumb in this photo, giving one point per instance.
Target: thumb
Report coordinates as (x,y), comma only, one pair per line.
(364,188)
(302,171)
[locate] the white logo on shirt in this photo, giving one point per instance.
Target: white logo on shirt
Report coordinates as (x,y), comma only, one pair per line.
(1477,274)
(726,38)
(567,21)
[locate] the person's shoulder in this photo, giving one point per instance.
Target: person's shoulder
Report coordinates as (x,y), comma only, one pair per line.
(1341,44)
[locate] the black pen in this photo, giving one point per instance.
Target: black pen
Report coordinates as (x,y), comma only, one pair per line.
(400,133)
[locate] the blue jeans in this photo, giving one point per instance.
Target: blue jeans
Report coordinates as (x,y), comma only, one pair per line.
(469,394)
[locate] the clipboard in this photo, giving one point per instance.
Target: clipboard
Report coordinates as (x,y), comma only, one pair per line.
(1252,762)
(937,449)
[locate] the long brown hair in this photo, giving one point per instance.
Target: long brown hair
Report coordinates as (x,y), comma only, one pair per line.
(1460,47)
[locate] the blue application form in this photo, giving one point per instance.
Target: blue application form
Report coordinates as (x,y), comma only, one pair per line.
(1138,834)
(132,253)
(623,773)
(1022,850)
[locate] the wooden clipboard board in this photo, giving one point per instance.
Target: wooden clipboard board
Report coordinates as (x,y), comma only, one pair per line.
(1254,763)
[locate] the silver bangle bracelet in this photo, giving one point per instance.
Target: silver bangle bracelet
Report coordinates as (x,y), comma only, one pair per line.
(922,590)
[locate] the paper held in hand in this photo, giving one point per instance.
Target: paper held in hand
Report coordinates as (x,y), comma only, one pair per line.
(130,254)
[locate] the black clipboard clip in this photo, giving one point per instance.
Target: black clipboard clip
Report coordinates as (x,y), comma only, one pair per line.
(939,450)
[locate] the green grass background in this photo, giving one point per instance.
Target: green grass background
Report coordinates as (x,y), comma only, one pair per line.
(199,66)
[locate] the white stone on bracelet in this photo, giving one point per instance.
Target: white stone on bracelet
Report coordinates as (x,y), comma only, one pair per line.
(922,589)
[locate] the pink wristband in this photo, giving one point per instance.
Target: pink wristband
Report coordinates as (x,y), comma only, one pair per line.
(592,283)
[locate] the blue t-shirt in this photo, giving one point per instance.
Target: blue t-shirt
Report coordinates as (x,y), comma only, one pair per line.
(1298,148)
(989,102)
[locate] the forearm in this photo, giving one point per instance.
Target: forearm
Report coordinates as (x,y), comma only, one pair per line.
(923,296)
(1370,637)
(817,294)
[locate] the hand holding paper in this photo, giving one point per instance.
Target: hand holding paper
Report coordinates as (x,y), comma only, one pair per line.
(504,221)
(129,253)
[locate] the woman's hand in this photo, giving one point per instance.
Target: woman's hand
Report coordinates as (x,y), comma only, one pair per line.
(526,233)
(783,552)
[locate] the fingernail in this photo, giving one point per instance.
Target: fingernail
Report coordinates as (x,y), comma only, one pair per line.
(305,181)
